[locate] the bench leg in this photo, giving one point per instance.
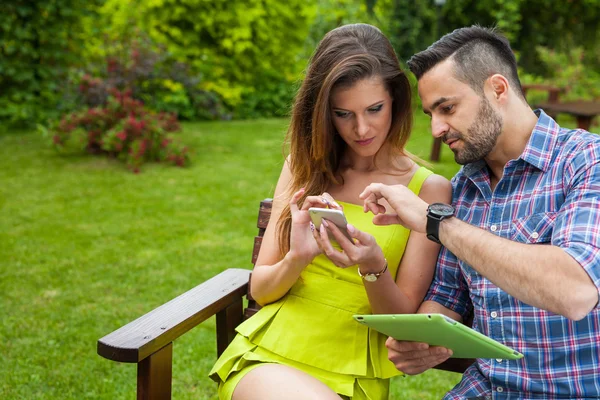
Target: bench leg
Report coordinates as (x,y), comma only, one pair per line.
(154,375)
(584,122)
(227,320)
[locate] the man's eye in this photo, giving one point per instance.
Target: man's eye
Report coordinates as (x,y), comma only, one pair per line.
(376,108)
(447,109)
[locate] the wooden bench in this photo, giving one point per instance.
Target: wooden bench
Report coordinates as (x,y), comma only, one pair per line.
(148,341)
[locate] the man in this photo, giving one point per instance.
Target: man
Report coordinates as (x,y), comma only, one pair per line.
(522,240)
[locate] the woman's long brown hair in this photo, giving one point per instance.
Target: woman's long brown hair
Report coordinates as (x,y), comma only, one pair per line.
(345,55)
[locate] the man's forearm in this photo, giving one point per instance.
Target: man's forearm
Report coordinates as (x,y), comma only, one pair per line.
(543,276)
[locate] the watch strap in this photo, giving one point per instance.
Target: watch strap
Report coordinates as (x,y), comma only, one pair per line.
(433,227)
(372,277)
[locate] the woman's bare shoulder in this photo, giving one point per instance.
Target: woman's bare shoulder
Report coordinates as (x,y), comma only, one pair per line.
(436,188)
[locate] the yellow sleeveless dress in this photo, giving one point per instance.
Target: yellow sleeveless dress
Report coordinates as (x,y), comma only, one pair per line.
(311,328)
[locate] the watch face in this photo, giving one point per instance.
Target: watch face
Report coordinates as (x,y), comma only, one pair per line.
(370,277)
(441,209)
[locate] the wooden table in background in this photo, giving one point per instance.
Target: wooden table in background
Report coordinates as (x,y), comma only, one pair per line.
(553,91)
(584,111)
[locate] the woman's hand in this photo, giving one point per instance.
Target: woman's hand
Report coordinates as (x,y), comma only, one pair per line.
(363,250)
(302,246)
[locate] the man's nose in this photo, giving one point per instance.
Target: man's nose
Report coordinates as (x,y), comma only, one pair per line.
(439,127)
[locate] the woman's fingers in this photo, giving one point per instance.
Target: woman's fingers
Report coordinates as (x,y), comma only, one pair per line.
(315,201)
(339,258)
(330,201)
(345,242)
(325,200)
(294,200)
(363,238)
(315,233)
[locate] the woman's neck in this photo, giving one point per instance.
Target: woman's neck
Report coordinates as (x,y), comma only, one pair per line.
(382,161)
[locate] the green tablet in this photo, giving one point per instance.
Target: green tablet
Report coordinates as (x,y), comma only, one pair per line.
(439,330)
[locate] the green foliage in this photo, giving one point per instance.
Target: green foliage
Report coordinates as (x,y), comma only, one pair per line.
(331,14)
(532,23)
(39,42)
(153,76)
(555,42)
(244,59)
(246,50)
(410,25)
(122,128)
(569,70)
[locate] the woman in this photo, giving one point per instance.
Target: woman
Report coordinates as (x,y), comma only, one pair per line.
(350,121)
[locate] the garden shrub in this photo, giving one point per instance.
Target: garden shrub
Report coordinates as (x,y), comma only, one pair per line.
(247,51)
(152,76)
(122,128)
(39,42)
(572,69)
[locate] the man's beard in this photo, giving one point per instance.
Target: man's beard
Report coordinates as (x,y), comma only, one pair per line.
(482,135)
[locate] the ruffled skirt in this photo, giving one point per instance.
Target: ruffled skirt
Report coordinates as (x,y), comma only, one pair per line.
(312,329)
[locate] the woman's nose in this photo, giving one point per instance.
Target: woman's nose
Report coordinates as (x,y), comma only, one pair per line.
(362,126)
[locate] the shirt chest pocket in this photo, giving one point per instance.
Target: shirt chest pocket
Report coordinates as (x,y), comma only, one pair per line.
(535,228)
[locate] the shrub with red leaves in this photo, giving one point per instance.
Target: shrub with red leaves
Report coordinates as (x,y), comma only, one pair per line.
(123,127)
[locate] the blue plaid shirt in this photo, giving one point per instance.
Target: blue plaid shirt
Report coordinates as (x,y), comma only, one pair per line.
(549,195)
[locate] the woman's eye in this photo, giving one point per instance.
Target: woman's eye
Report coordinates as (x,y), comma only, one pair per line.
(341,114)
(376,108)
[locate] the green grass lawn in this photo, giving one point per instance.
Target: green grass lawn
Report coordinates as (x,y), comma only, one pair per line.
(86,246)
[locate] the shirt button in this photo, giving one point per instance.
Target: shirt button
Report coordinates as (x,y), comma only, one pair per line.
(535,235)
(494,314)
(499,360)
(493,228)
(499,389)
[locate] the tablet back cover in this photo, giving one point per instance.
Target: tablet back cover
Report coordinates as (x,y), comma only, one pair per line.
(439,330)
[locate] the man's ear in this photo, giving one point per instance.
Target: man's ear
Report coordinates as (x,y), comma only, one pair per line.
(499,87)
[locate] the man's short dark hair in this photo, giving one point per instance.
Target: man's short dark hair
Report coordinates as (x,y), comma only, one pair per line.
(477,52)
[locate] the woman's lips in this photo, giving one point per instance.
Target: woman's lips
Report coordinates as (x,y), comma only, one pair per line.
(365,142)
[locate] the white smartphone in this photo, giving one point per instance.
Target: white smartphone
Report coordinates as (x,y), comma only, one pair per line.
(336,217)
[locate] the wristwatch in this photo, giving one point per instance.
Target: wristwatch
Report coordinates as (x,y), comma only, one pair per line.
(437,212)
(372,277)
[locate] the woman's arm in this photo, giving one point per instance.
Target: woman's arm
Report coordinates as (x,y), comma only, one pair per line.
(274,275)
(417,266)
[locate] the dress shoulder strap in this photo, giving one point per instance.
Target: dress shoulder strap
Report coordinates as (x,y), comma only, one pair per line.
(418,178)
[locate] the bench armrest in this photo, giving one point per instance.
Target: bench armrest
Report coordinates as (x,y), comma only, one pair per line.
(146,335)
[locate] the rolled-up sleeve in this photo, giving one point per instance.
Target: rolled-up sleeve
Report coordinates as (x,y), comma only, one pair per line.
(577,226)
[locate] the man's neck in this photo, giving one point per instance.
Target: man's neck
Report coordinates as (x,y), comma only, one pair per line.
(511,143)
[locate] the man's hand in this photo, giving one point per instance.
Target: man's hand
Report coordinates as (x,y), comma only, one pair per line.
(413,358)
(410,210)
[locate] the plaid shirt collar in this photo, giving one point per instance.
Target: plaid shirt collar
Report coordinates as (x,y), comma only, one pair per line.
(538,151)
